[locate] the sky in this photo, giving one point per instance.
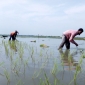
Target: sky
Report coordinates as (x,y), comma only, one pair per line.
(41,17)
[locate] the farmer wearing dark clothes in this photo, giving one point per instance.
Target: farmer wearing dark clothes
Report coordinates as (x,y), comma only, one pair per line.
(13,35)
(68,36)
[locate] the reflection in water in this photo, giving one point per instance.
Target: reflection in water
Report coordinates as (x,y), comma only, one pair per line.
(70,64)
(67,58)
(12,45)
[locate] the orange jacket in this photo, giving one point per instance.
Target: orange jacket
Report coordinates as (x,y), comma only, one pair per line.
(13,33)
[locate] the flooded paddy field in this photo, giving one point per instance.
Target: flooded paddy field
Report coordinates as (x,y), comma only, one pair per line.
(36,61)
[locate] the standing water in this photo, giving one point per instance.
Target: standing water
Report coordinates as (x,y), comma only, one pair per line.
(26,62)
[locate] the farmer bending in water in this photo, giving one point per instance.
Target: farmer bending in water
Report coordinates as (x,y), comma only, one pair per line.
(13,35)
(68,36)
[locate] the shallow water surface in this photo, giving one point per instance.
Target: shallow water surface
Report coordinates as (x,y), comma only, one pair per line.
(26,63)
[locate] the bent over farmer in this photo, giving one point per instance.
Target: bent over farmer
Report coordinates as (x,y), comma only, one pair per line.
(13,35)
(68,36)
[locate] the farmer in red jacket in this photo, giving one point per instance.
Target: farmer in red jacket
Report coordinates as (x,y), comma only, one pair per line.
(13,35)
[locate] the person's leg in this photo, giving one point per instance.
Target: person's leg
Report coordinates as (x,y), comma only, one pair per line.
(63,42)
(67,44)
(10,37)
(13,38)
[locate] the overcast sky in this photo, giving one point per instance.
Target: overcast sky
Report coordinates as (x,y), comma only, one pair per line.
(43,17)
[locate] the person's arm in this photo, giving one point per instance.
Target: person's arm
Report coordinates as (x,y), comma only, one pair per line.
(10,37)
(72,39)
(15,37)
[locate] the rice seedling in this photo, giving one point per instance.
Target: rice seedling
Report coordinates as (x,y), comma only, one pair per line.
(55,68)
(78,70)
(41,53)
(31,52)
(41,82)
(57,81)
(1,63)
(26,62)
(11,55)
(6,48)
(36,74)
(46,82)
(7,75)
(21,51)
(20,82)
(12,45)
(16,62)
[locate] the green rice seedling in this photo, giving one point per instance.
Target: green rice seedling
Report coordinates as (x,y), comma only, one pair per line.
(54,70)
(47,80)
(21,51)
(20,82)
(16,67)
(78,69)
(6,48)
(44,46)
(26,62)
(57,82)
(36,74)
(41,82)
(7,75)
(83,55)
(16,62)
(44,64)
(1,63)
(17,72)
(12,49)
(41,53)
(31,52)
(11,55)
(51,53)
(12,45)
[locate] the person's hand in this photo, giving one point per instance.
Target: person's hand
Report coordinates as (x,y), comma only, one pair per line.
(76,44)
